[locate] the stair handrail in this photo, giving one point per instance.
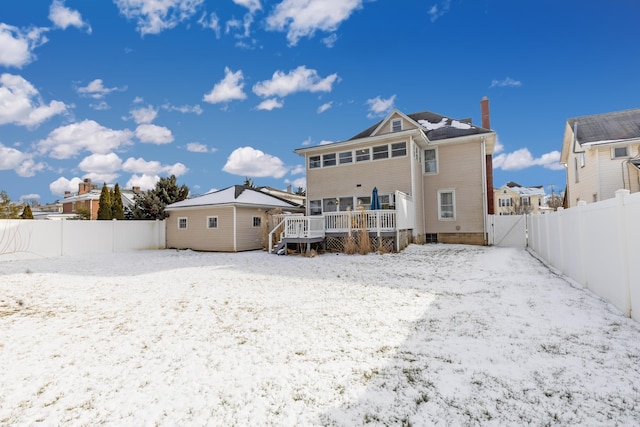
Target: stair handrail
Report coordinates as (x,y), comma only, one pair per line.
(271,233)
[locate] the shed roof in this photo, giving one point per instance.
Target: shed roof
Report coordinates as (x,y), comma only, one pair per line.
(234,195)
(619,125)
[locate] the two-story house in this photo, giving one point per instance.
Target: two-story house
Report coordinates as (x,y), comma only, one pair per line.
(601,154)
(88,199)
(514,199)
(443,164)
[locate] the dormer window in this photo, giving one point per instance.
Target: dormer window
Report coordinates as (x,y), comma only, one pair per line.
(396,125)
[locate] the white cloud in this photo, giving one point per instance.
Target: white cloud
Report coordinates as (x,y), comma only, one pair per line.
(499,148)
(16,46)
(101,163)
(100,106)
(195,109)
(508,82)
(197,147)
(380,107)
(144,115)
(297,183)
(247,161)
(324,107)
(29,197)
(62,184)
(330,40)
(154,134)
(436,11)
(252,5)
(270,104)
(22,163)
(325,142)
(228,89)
(302,18)
(301,79)
(213,23)
(145,182)
(63,17)
(67,141)
(306,142)
(153,167)
(96,89)
(522,159)
(297,170)
(107,178)
(21,104)
(155,16)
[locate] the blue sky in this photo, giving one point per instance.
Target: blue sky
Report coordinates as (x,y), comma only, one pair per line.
(129,91)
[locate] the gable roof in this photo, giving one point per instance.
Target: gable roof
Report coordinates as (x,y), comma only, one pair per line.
(435,126)
(619,125)
(537,190)
(234,195)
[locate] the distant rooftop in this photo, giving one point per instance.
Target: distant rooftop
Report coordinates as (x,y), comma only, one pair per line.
(614,126)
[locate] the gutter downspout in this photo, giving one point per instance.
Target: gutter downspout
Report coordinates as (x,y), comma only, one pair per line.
(485,211)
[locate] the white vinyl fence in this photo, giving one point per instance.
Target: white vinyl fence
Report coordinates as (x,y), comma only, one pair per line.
(46,239)
(507,230)
(597,245)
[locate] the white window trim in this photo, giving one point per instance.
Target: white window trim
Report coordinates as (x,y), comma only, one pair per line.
(613,152)
(437,162)
(453,199)
(319,162)
(186,222)
(396,121)
(211,228)
(253,221)
(345,163)
(406,150)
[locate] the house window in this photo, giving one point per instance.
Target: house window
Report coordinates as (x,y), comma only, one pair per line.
(346,203)
(399,149)
(330,205)
(329,160)
(617,152)
(314,162)
(182,223)
(385,201)
(525,201)
(581,155)
(381,152)
(430,160)
(396,125)
(447,205)
(345,157)
(362,155)
(212,222)
(257,221)
(505,203)
(364,202)
(575,168)
(315,207)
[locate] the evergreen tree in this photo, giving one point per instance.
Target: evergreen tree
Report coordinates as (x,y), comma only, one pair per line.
(117,209)
(104,210)
(248,182)
(8,209)
(27,213)
(301,191)
(82,212)
(151,203)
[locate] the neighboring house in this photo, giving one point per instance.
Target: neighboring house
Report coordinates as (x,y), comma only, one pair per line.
(88,197)
(601,154)
(443,164)
(228,220)
(289,195)
(514,199)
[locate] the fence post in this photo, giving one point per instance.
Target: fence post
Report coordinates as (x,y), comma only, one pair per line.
(580,244)
(622,246)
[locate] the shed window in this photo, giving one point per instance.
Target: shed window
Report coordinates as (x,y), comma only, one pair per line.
(257,221)
(182,223)
(212,222)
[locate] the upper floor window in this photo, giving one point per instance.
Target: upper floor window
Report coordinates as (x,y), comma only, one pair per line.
(430,160)
(447,205)
(362,155)
(617,152)
(329,159)
(212,222)
(182,223)
(345,157)
(396,125)
(314,162)
(399,149)
(380,152)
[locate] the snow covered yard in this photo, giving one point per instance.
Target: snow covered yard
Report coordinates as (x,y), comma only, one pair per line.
(435,335)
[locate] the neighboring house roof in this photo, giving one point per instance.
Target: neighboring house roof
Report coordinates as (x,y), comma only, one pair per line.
(238,195)
(435,126)
(525,191)
(608,127)
(126,195)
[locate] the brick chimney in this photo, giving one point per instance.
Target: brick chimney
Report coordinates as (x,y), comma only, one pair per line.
(85,186)
(486,124)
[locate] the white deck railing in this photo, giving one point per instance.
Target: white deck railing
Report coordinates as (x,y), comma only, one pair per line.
(345,222)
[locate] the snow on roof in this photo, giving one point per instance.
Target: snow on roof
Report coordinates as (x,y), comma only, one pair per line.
(526,191)
(431,126)
(237,195)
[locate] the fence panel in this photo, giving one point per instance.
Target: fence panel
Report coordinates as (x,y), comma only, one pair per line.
(508,231)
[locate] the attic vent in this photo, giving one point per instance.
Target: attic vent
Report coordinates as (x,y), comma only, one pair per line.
(396,125)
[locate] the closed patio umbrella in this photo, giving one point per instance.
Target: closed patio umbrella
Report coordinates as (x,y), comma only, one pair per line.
(375,199)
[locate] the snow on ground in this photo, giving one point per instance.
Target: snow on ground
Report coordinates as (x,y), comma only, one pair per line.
(435,335)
